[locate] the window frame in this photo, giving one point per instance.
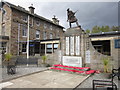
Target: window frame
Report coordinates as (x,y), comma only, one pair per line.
(37,34)
(24,31)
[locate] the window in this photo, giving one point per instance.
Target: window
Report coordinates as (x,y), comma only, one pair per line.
(45,26)
(55,47)
(50,27)
(37,34)
(57,36)
(24,31)
(24,45)
(51,36)
(49,48)
(25,18)
(44,36)
(37,23)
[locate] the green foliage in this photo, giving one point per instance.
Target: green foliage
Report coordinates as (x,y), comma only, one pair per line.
(8,56)
(44,58)
(87,31)
(105,63)
(97,29)
(115,28)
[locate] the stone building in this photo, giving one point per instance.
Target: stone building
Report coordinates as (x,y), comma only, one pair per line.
(44,34)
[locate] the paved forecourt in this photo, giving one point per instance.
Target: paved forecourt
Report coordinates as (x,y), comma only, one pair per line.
(47,79)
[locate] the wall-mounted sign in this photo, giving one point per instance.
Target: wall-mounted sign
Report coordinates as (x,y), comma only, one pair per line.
(67,45)
(117,43)
(77,45)
(72,45)
(31,45)
(87,56)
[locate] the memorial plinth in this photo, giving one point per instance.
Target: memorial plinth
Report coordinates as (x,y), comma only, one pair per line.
(74,47)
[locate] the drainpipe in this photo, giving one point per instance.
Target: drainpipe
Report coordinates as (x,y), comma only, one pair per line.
(18,36)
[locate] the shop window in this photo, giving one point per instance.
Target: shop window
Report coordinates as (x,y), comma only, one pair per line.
(49,48)
(55,47)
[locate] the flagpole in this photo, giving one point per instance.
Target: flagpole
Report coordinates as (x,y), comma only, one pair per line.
(28,40)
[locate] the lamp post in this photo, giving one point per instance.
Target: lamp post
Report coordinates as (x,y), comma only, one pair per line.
(0,34)
(28,40)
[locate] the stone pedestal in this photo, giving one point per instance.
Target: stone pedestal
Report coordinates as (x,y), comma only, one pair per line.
(74,47)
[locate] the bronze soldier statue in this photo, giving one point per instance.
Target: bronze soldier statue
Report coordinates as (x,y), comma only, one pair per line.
(71,17)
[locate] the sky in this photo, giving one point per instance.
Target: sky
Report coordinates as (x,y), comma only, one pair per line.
(89,14)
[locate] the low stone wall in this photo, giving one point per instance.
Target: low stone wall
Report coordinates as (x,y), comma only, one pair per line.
(97,60)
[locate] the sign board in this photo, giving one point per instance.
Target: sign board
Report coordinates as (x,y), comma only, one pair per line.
(87,56)
(77,45)
(117,43)
(31,45)
(72,45)
(67,45)
(59,55)
(72,61)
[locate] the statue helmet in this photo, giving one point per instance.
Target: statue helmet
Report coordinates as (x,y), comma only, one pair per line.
(68,9)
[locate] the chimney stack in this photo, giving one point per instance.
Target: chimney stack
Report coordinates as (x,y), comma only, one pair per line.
(55,20)
(31,9)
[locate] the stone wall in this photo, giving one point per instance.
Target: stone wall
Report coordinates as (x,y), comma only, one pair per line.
(115,53)
(96,61)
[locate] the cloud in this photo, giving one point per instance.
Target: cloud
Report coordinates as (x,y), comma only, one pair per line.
(89,13)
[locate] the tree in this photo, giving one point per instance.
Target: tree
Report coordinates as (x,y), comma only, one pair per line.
(106,29)
(115,28)
(95,29)
(87,31)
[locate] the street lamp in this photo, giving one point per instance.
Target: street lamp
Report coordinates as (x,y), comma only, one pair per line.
(28,40)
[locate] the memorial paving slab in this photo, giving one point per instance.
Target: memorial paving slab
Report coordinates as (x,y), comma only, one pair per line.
(48,79)
(21,71)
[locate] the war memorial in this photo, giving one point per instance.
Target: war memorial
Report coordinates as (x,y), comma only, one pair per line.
(71,59)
